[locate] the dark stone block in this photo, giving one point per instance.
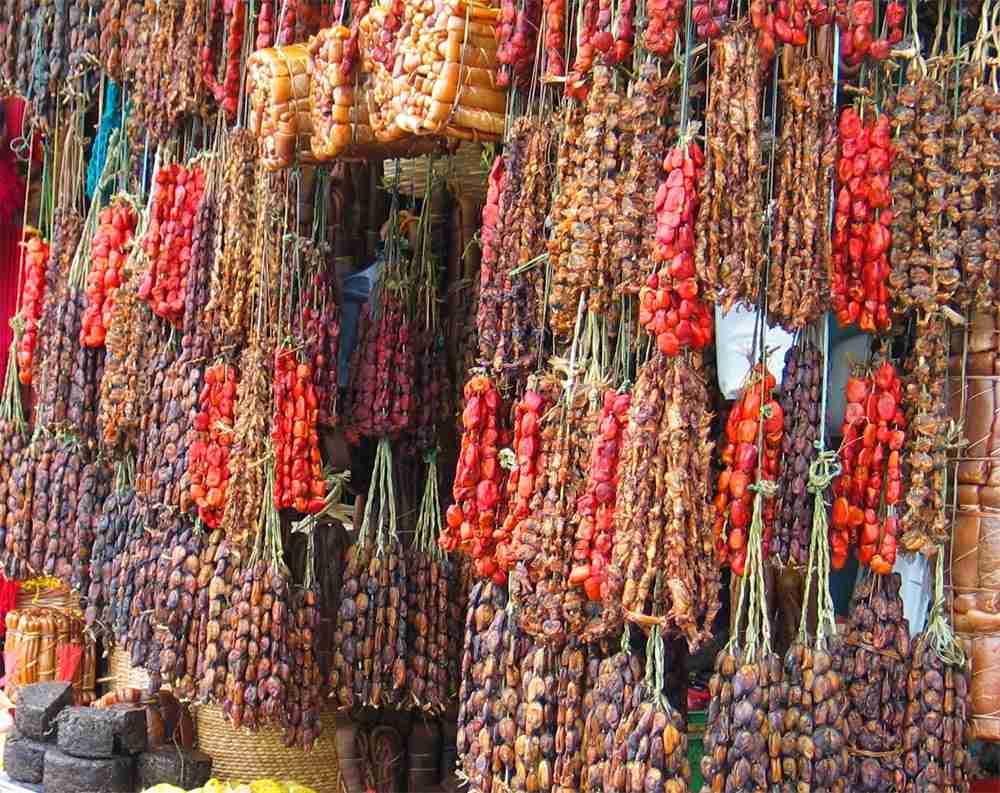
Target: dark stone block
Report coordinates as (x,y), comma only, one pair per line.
(102,732)
(177,767)
(67,774)
(24,759)
(37,708)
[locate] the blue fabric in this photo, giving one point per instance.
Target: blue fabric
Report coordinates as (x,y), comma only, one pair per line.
(112,118)
(355,291)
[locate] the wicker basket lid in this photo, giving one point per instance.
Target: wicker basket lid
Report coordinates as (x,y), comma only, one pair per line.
(464,172)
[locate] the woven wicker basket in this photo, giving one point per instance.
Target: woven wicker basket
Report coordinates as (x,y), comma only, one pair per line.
(245,756)
(463,172)
(121,673)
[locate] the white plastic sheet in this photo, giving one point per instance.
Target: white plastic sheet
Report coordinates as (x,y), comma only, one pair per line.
(734,348)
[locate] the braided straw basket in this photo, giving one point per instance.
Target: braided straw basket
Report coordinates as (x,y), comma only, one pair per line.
(245,756)
(123,675)
(464,172)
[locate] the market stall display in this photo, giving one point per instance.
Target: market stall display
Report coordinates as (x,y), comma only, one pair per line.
(363,389)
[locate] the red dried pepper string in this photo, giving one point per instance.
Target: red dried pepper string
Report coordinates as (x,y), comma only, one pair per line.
(471,522)
(870,484)
(596,507)
(862,226)
(670,308)
(745,466)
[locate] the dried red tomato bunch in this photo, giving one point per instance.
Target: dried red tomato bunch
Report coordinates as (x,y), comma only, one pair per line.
(710,17)
(517,34)
(596,507)
(664,19)
(476,514)
(755,416)
(786,22)
(870,483)
(298,469)
(208,457)
(108,251)
(669,304)
(36,260)
(555,32)
(521,482)
(856,21)
(862,227)
(167,241)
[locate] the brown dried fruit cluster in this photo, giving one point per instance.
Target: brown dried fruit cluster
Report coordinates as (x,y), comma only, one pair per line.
(729,250)
(651,746)
(132,601)
(798,292)
(370,641)
(180,611)
(14,442)
(925,252)
(488,626)
(876,659)
(812,740)
(574,245)
(110,534)
(663,525)
(800,400)
(972,201)
(744,719)
(219,636)
(246,487)
(94,489)
(611,700)
(259,662)
(232,280)
(518,299)
(160,428)
(514,235)
(935,756)
(134,338)
(635,226)
(428,580)
(930,434)
(59,327)
(50,540)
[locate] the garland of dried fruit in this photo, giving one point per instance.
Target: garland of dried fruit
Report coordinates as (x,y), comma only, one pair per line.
(428,573)
(472,520)
(798,289)
(931,434)
(936,721)
(729,247)
(747,680)
(370,639)
(862,236)
(877,652)
(662,563)
(800,399)
(551,604)
(813,741)
(13,442)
